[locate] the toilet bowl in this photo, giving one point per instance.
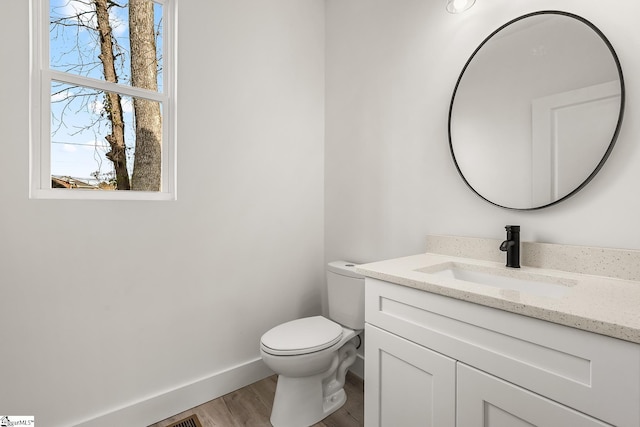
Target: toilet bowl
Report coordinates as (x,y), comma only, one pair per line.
(312,355)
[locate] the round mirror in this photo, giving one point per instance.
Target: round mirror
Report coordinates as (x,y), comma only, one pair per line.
(536,110)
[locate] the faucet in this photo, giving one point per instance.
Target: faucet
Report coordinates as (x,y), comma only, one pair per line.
(512,246)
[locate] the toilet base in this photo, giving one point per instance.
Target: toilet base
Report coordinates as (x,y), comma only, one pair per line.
(304,401)
(303,404)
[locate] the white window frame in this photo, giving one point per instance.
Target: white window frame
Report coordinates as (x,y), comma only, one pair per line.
(42,75)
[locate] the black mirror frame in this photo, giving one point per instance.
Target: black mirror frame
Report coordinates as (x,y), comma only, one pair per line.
(615,133)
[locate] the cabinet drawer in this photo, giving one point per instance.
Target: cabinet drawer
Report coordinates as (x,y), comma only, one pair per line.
(592,373)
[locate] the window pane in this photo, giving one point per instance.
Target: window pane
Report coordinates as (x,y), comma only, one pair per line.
(86,135)
(130,55)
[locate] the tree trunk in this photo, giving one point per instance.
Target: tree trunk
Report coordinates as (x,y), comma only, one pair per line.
(147,165)
(113,106)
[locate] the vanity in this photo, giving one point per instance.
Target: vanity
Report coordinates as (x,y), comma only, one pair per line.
(454,337)
(543,345)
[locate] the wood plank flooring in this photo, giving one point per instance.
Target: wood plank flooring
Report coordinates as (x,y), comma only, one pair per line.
(251,407)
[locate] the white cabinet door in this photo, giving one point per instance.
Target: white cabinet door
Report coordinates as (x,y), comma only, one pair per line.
(487,401)
(406,385)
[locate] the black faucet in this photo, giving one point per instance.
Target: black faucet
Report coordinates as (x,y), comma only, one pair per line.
(512,246)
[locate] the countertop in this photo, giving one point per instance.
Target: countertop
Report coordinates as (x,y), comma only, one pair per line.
(599,304)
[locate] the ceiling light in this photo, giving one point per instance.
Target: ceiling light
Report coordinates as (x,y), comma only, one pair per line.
(458,6)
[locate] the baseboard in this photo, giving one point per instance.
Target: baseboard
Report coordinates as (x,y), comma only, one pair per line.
(167,404)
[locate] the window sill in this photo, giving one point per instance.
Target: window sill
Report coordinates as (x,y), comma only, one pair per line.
(79,194)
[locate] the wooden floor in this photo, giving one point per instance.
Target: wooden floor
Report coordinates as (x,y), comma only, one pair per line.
(251,406)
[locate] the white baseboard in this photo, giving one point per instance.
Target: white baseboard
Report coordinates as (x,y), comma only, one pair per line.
(172,402)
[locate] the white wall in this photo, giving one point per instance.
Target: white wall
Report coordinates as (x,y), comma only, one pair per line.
(104,304)
(391,69)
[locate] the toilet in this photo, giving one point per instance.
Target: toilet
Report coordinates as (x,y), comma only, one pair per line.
(312,355)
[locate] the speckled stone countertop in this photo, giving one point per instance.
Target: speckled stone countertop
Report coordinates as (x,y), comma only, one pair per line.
(601,301)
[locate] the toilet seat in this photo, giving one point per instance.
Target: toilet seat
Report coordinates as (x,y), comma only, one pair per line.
(301,336)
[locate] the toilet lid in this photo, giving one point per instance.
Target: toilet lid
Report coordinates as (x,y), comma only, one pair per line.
(302,336)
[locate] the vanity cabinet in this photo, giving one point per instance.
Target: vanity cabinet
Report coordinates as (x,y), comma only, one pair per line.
(432,360)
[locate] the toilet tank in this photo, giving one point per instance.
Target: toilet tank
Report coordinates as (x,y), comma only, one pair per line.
(345,290)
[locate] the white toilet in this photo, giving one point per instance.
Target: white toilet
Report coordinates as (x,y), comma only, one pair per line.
(311,355)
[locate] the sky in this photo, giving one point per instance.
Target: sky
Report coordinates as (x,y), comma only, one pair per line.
(78,144)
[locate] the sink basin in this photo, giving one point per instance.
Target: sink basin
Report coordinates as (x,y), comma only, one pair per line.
(515,280)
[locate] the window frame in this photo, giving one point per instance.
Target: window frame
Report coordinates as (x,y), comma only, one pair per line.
(41,76)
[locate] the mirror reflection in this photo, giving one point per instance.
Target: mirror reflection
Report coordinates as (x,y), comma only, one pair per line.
(536,110)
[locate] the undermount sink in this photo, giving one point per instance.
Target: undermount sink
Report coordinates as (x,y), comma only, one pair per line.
(515,280)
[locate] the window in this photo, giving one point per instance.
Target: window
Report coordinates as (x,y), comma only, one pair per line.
(103,99)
